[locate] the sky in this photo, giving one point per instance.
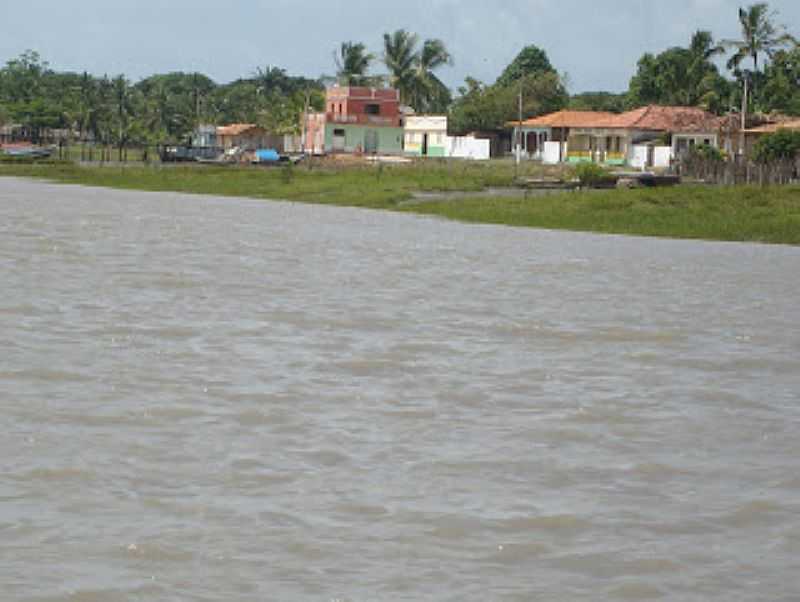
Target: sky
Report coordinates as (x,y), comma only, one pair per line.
(597,44)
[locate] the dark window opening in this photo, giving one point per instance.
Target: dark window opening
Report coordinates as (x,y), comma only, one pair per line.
(372,109)
(338,132)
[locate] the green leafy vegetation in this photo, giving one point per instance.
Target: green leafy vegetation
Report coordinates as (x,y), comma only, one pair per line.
(781,146)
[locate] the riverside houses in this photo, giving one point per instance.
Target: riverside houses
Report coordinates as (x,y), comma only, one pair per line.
(650,136)
(426,135)
(362,120)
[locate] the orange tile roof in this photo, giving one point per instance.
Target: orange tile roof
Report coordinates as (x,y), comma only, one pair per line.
(569,119)
(652,117)
(774,127)
(235,129)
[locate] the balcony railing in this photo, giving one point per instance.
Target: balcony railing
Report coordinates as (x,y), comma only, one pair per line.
(375,120)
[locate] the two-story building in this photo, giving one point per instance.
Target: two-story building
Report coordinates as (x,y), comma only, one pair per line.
(362,121)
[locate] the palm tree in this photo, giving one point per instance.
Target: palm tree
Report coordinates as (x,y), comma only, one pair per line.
(401,58)
(411,70)
(352,63)
(123,109)
(760,36)
(429,91)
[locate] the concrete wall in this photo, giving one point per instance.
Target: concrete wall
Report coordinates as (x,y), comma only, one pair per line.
(390,140)
(551,155)
(467,147)
(639,156)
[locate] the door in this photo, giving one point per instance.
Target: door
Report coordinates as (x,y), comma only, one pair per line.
(338,141)
(371,142)
(424,145)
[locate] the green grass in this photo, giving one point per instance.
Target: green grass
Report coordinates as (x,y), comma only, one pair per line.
(744,213)
(719,213)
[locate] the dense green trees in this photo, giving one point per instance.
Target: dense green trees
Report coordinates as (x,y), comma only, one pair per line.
(780,89)
(681,76)
(598,101)
(531,61)
(765,66)
(781,145)
(158,109)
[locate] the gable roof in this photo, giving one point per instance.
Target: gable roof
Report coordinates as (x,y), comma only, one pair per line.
(569,119)
(651,117)
(769,128)
(236,129)
(668,119)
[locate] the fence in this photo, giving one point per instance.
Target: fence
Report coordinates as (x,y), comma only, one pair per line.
(739,170)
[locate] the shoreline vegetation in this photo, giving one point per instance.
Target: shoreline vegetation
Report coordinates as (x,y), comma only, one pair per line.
(732,213)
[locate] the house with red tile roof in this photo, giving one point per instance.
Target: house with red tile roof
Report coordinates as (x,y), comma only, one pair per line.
(651,135)
(754,134)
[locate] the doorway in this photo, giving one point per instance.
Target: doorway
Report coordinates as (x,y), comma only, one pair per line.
(371,142)
(338,141)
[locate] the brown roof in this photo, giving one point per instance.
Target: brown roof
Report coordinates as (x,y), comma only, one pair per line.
(669,119)
(235,129)
(774,127)
(652,117)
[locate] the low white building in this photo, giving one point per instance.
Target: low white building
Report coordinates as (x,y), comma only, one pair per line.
(426,136)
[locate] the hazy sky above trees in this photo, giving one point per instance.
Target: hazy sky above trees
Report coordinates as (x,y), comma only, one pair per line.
(596,43)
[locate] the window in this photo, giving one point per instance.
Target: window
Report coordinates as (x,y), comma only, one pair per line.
(372,109)
(338,133)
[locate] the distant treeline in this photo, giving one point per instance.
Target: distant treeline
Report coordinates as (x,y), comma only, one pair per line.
(764,64)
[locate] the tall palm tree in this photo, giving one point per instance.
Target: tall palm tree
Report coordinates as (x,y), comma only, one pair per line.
(123,110)
(352,63)
(760,36)
(401,58)
(411,71)
(429,91)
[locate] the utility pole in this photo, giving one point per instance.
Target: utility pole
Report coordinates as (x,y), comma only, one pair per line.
(304,124)
(518,137)
(742,138)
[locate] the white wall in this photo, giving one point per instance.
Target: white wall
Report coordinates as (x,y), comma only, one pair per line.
(637,156)
(663,156)
(426,123)
(467,147)
(552,153)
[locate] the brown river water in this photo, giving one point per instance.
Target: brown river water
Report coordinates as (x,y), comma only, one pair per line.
(216,399)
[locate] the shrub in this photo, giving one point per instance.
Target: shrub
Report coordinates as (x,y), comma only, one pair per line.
(706,152)
(781,145)
(590,174)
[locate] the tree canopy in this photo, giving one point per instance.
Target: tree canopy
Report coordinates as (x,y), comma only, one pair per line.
(531,61)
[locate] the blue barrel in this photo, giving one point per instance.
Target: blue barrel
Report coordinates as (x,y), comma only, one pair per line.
(269,155)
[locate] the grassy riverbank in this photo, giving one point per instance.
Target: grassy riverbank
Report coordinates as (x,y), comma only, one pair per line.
(718,213)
